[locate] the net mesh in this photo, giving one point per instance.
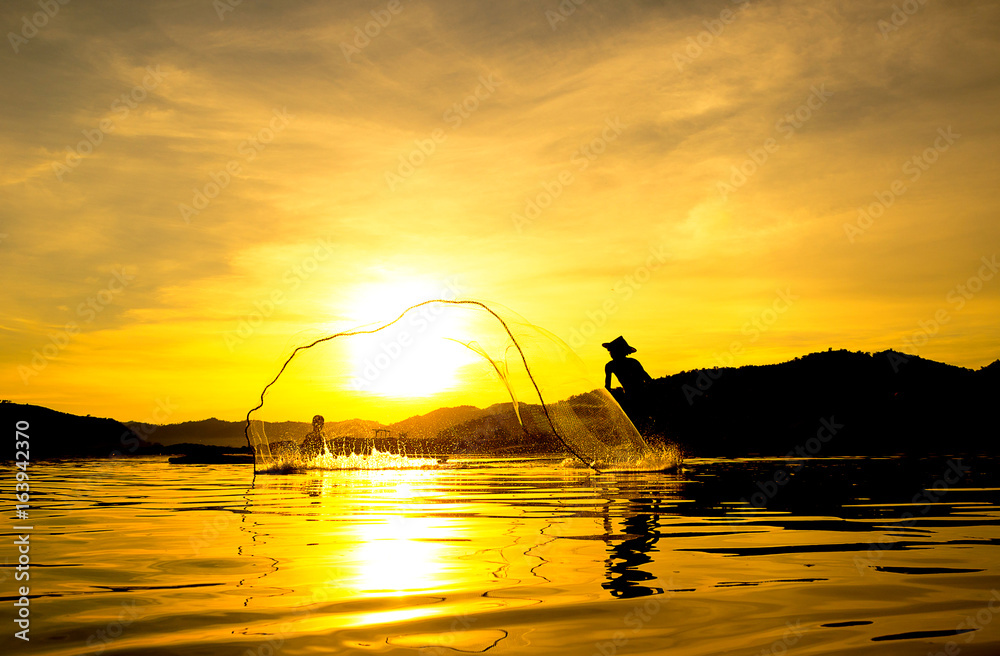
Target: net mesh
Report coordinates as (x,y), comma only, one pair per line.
(443,378)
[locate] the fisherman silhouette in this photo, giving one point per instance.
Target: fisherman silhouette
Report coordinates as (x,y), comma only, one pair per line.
(630,374)
(314,443)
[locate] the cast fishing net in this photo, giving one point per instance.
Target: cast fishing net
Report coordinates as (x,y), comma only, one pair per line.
(442,379)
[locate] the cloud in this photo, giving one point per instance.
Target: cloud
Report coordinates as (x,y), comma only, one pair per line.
(692,114)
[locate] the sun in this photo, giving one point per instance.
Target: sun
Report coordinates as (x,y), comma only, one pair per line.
(418,356)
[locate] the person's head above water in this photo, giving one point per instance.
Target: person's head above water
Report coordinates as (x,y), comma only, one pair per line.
(618,347)
(318,423)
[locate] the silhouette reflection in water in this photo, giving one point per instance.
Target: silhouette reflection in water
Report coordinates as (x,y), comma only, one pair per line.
(625,576)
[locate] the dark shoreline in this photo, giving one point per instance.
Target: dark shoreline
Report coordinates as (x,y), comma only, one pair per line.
(824,404)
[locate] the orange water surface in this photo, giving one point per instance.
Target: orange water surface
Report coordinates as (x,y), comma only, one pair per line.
(840,556)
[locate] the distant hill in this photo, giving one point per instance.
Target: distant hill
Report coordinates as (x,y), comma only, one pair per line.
(428,426)
(496,431)
(828,403)
(230,433)
(55,434)
(884,402)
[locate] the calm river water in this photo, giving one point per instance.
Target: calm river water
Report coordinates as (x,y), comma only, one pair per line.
(833,556)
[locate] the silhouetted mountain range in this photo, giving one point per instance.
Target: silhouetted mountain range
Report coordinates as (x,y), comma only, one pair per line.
(230,433)
(880,403)
(496,431)
(53,434)
(828,403)
(430,425)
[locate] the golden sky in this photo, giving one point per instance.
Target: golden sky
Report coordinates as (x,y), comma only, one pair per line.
(175,171)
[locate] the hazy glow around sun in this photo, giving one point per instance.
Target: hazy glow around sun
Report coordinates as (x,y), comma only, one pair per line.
(415,357)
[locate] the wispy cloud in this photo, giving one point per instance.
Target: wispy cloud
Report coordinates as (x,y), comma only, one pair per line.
(323,175)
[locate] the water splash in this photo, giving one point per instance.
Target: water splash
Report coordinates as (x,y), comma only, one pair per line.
(657,459)
(374,460)
(549,391)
